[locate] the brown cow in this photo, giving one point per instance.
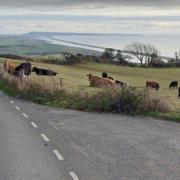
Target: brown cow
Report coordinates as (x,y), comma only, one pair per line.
(9,67)
(153,85)
(99,82)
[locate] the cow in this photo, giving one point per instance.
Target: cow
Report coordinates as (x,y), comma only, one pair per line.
(153,85)
(105,75)
(9,66)
(119,83)
(99,82)
(43,72)
(173,84)
(122,84)
(23,70)
(111,78)
(179,92)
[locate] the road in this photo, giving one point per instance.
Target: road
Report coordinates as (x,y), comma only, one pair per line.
(43,143)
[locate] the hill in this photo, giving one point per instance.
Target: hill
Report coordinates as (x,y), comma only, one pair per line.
(21,45)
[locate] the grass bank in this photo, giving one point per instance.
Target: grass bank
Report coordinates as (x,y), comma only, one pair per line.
(75,83)
(127,101)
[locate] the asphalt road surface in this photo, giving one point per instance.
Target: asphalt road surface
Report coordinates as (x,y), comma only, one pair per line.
(42,143)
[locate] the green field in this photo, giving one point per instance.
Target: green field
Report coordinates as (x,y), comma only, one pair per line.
(24,46)
(74,77)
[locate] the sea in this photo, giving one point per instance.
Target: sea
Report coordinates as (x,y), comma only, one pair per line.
(166,44)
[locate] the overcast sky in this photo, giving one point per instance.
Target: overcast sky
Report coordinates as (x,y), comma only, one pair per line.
(99,16)
(92,3)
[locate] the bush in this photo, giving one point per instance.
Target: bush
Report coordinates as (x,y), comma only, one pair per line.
(139,101)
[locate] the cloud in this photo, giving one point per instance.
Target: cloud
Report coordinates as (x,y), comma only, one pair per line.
(146,25)
(109,16)
(99,4)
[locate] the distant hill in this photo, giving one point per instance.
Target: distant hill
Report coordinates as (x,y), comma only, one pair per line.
(39,34)
(25,45)
(50,34)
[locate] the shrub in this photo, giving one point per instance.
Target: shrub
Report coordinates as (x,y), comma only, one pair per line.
(139,101)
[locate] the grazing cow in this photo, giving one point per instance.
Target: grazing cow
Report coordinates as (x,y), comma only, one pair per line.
(23,70)
(9,66)
(174,85)
(179,93)
(153,85)
(43,72)
(99,82)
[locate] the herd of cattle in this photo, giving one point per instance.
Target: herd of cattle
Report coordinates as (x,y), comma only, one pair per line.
(108,81)
(24,70)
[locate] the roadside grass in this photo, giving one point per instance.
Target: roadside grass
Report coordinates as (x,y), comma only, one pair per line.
(106,100)
(75,82)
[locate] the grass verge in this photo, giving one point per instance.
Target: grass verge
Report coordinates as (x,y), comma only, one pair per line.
(127,101)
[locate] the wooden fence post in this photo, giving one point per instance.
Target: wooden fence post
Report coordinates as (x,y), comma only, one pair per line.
(61,82)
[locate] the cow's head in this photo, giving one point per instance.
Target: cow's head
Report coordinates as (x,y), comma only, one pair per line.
(34,69)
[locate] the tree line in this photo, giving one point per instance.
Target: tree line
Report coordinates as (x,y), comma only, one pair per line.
(145,55)
(134,54)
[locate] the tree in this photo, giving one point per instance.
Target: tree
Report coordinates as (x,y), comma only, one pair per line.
(151,54)
(145,53)
(109,53)
(177,60)
(68,57)
(119,58)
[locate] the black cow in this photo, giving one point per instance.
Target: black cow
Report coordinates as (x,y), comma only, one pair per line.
(104,75)
(153,85)
(23,70)
(179,93)
(43,72)
(119,83)
(173,84)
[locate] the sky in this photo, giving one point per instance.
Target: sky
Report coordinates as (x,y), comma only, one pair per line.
(92,16)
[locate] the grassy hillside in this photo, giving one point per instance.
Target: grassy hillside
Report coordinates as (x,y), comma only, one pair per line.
(75,81)
(74,77)
(23,46)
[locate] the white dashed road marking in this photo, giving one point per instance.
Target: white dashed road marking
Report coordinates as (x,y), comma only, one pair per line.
(25,115)
(59,156)
(56,152)
(17,108)
(34,125)
(73,175)
(45,137)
